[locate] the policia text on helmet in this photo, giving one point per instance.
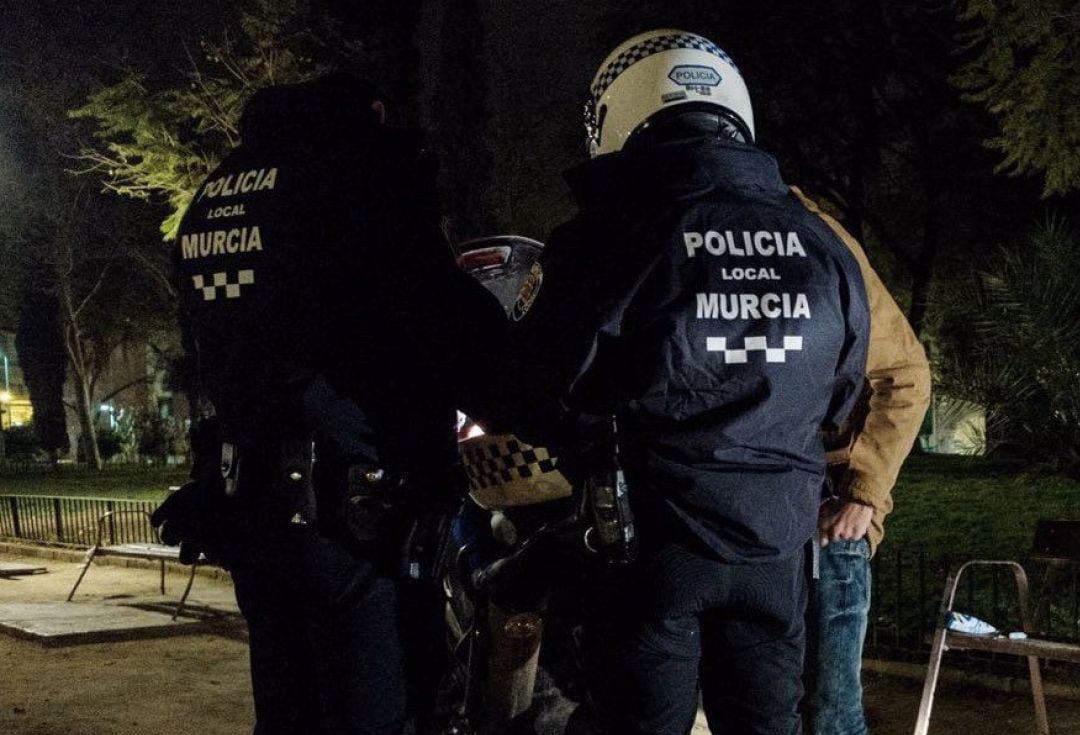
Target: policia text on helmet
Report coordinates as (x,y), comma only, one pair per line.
(666,84)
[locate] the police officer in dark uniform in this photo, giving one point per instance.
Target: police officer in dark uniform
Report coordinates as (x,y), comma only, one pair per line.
(334,338)
(722,324)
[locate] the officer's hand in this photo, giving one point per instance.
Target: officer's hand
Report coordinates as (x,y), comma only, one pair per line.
(849,521)
(189,518)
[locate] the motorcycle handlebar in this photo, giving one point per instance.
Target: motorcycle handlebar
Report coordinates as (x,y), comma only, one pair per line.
(481,579)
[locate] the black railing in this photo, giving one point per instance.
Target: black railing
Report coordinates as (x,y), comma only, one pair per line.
(906,601)
(50,519)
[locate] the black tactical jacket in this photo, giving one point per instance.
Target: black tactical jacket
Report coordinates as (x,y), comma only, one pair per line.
(723,323)
(319,293)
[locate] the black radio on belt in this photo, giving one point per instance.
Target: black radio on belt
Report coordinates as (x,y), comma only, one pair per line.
(286,469)
(373,502)
(613,534)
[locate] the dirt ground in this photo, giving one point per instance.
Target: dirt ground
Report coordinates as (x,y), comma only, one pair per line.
(192,683)
(198,682)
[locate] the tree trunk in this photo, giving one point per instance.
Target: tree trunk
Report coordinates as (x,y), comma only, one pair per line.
(462,96)
(922,265)
(39,339)
(921,280)
(87,428)
(84,399)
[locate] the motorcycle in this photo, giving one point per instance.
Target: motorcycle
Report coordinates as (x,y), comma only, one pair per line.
(500,602)
(519,545)
(524,542)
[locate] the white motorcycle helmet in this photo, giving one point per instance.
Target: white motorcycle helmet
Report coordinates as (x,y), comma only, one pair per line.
(658,71)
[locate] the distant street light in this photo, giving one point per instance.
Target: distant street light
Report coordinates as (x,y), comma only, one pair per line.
(5,402)
(5,399)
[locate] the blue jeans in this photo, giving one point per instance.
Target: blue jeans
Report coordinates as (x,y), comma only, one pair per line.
(838,620)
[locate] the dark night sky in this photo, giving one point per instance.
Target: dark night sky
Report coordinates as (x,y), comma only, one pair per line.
(52,52)
(93,32)
(531,44)
(540,55)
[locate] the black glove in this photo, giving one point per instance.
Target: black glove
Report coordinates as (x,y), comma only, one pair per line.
(192,517)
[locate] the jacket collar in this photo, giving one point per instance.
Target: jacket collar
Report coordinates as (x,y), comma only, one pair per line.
(321,113)
(680,170)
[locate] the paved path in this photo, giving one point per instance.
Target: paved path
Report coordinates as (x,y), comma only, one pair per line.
(195,683)
(198,683)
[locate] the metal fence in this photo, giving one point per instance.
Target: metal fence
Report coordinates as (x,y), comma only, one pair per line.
(906,600)
(73,520)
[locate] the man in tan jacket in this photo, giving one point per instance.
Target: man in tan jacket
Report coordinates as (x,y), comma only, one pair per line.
(864,459)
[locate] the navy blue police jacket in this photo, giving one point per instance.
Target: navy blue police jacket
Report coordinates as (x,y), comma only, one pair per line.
(698,301)
(319,294)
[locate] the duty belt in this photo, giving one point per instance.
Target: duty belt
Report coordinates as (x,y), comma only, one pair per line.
(287,472)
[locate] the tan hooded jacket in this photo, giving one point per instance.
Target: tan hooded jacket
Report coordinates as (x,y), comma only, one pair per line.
(865,456)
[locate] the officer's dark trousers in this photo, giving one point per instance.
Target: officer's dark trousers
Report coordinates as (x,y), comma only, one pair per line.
(335,642)
(678,620)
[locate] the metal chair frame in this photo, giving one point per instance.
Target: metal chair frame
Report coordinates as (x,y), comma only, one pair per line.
(156,551)
(1055,542)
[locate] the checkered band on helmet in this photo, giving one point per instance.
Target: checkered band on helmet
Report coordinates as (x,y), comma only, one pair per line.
(647,48)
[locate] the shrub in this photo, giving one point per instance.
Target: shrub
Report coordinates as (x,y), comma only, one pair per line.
(1009,340)
(110,443)
(20,442)
(159,437)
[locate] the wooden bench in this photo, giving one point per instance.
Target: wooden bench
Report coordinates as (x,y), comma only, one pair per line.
(155,551)
(1057,543)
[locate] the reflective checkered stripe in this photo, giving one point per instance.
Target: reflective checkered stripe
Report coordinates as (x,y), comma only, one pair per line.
(493,464)
(647,48)
(739,356)
(220,283)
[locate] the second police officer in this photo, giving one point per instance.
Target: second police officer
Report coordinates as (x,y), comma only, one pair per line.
(334,338)
(721,323)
